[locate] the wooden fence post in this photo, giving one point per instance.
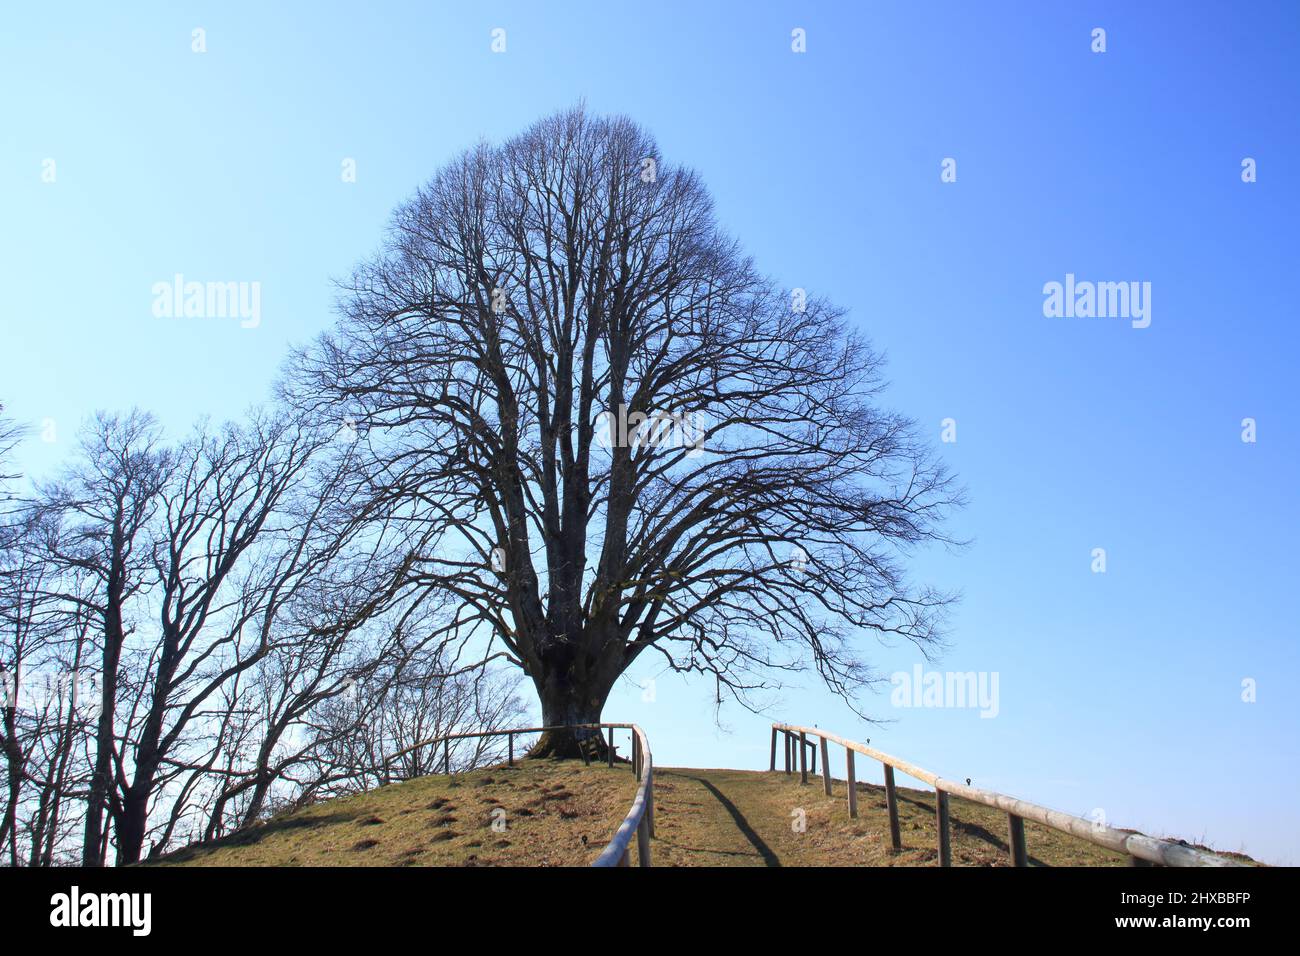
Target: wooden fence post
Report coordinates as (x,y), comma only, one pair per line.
(643,842)
(1137,847)
(650,798)
(446,756)
(510,742)
(853,786)
(773,766)
(1016,832)
(611,748)
(891,800)
(945,837)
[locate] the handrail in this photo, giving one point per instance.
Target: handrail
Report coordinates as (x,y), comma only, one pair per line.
(1142,849)
(640,818)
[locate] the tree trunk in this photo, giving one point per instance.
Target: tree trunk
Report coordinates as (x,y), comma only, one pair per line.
(260,790)
(564,704)
(130,834)
(149,754)
(9,826)
(101,781)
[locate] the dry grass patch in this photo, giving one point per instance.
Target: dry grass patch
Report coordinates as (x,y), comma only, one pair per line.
(555,814)
(743,818)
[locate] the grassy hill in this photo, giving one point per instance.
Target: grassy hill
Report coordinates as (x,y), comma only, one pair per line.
(553,813)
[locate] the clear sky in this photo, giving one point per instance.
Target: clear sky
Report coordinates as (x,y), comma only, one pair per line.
(1119,691)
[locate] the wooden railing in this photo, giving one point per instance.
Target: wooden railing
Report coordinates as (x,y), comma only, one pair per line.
(640,819)
(1141,849)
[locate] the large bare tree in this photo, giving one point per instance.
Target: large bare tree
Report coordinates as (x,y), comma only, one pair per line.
(622,436)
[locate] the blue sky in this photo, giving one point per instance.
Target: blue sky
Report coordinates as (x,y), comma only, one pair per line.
(1119,691)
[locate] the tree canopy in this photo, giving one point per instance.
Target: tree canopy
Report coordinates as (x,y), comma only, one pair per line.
(618,435)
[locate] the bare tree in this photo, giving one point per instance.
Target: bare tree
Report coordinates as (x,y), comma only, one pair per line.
(13,621)
(339,613)
(224,490)
(373,735)
(220,597)
(621,435)
(42,643)
(10,435)
(49,714)
(97,546)
(21,634)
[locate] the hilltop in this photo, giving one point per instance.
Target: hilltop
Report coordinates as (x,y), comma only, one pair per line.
(560,813)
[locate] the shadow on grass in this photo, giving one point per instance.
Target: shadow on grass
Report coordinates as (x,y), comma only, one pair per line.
(765,851)
(974,830)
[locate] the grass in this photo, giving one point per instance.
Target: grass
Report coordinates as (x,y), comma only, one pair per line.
(554,814)
(560,813)
(764,808)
